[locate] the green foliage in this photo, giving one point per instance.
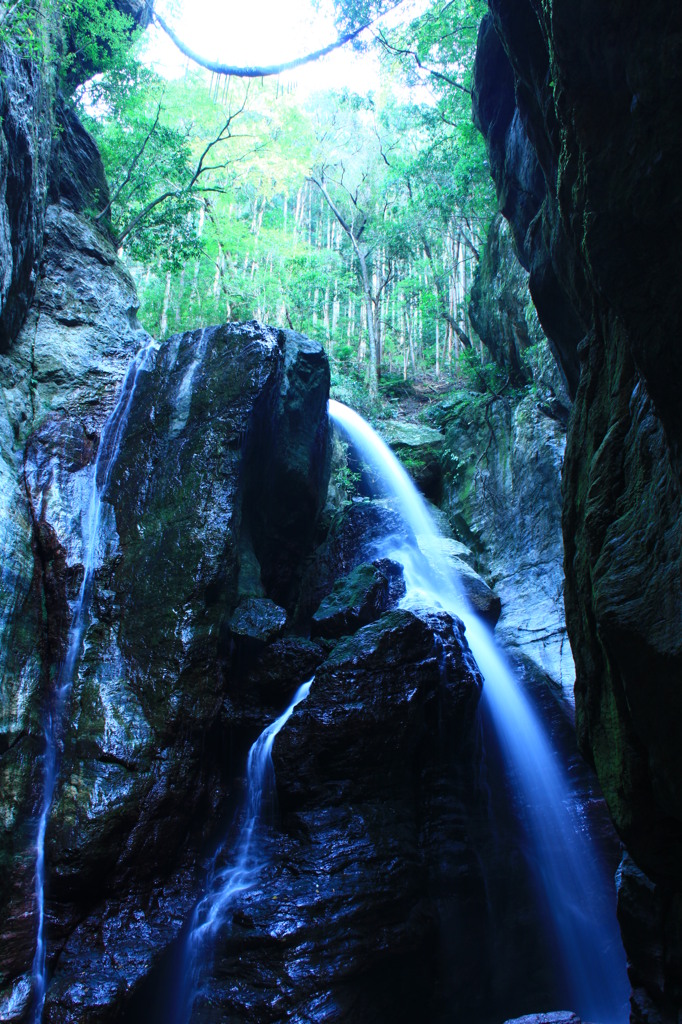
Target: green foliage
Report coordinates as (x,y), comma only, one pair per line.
(161,162)
(78,38)
(487,378)
(350,14)
(350,387)
(217,204)
(21,28)
(98,38)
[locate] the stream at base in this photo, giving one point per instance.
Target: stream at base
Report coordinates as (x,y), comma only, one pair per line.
(577,896)
(241,872)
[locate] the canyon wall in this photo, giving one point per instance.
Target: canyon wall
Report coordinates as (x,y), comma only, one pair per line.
(580,104)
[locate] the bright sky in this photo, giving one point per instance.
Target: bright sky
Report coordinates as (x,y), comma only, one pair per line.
(266,32)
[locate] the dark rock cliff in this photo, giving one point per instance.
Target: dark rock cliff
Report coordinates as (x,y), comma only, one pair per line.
(159,708)
(26,125)
(581,105)
(46,157)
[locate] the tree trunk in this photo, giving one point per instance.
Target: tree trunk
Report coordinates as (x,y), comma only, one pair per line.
(374,366)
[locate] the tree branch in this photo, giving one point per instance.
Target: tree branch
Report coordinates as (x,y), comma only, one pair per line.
(133,164)
(131,225)
(259,72)
(423,67)
(332,205)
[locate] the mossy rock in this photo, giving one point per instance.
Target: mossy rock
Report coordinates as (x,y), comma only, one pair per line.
(358,599)
(419,449)
(259,619)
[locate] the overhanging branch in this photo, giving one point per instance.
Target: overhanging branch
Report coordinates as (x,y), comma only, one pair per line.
(258,72)
(438,75)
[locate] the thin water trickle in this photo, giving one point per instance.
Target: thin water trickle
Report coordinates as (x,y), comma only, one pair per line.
(578,897)
(107,453)
(245,865)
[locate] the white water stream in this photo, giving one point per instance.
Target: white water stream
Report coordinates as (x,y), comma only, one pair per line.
(107,453)
(578,897)
(244,867)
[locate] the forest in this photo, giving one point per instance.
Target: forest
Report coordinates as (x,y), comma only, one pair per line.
(357,220)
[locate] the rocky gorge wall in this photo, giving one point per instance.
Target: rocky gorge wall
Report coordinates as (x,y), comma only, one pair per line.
(502,456)
(580,105)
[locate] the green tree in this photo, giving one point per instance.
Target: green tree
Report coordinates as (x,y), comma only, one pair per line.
(352,172)
(78,38)
(162,162)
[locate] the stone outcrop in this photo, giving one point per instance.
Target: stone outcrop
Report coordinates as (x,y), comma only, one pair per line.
(503,315)
(557,1017)
(419,449)
(374,862)
(165,673)
(499,308)
(27,122)
(359,598)
(581,104)
(502,474)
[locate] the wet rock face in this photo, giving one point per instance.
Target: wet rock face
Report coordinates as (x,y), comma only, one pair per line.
(286,493)
(356,535)
(359,599)
(46,157)
(26,123)
(498,308)
(57,385)
(419,449)
(184,654)
(503,497)
(598,96)
(374,870)
(513,107)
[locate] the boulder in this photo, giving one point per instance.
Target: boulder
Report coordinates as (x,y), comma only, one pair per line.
(556,1017)
(481,597)
(257,619)
(360,532)
(359,598)
(374,863)
(419,449)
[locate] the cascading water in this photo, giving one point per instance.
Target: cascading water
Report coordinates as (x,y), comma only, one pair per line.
(107,454)
(246,864)
(576,892)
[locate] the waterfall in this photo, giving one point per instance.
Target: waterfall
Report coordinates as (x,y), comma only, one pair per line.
(579,901)
(244,866)
(107,453)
